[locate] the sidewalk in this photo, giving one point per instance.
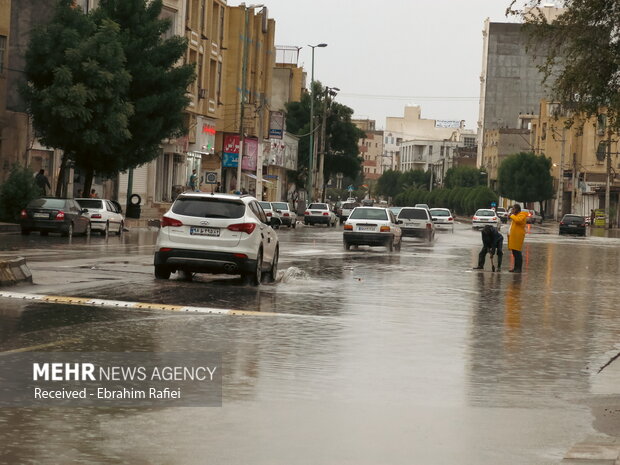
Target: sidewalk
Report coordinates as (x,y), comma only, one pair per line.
(9,228)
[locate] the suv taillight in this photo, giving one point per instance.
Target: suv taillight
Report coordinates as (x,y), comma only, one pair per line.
(24,214)
(167,221)
(96,215)
(269,214)
(306,212)
(60,215)
(429,225)
(247,228)
(325,214)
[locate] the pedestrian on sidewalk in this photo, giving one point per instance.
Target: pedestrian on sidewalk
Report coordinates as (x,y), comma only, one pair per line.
(93,194)
(592,217)
(42,182)
(193,181)
(516,236)
(492,243)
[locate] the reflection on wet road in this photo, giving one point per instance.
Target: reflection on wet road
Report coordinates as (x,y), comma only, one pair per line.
(413,357)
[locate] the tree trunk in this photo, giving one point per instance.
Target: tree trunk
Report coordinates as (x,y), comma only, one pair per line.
(88,182)
(60,182)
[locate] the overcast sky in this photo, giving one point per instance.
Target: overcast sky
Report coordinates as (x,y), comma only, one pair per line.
(427,52)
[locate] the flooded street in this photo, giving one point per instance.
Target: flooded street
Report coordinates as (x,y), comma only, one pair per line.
(407,357)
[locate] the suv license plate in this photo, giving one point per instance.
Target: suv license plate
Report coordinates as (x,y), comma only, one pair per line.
(41,215)
(366,228)
(213,232)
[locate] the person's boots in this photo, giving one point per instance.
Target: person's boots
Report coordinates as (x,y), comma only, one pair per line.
(478,268)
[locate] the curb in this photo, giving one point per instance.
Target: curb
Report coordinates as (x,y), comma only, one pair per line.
(14,271)
(9,228)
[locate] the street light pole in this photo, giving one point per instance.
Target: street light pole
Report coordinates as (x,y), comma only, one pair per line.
(329,92)
(311,150)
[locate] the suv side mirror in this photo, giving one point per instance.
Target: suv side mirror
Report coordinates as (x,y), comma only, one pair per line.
(400,221)
(84,210)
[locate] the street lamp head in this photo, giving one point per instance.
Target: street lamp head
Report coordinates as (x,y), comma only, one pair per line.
(318,45)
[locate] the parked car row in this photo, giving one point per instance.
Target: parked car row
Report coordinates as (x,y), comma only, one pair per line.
(72,216)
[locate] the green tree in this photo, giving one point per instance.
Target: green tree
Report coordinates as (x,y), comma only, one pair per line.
(526,177)
(77,86)
(158,88)
(387,184)
(582,53)
(16,192)
(463,176)
(342,135)
(414,178)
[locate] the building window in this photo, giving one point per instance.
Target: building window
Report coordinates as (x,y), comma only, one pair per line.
(2,51)
(212,78)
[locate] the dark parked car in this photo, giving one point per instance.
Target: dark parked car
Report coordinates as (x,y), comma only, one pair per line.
(49,214)
(573,224)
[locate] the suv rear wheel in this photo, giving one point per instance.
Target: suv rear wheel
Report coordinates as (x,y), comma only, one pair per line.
(256,277)
(273,272)
(162,272)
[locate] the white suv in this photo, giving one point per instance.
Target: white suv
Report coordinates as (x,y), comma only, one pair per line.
(216,233)
(416,221)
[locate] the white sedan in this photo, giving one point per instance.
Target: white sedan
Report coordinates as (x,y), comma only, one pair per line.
(319,213)
(485,216)
(372,226)
(443,218)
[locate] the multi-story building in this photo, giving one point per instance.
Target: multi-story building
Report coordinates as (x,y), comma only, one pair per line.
(18,145)
(510,82)
(579,156)
(281,151)
(500,143)
(246,97)
(426,144)
(371,149)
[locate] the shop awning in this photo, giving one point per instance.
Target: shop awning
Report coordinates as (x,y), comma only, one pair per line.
(253,176)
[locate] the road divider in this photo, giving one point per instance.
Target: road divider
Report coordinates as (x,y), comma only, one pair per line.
(87,302)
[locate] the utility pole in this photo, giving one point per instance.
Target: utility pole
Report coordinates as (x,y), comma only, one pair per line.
(608,181)
(244,72)
(312,151)
(558,210)
(259,156)
(322,154)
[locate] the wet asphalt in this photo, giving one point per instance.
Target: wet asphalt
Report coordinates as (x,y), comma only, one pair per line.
(403,357)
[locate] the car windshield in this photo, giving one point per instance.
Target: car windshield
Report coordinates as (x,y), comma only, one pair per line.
(440,212)
(318,206)
(421,205)
(501,210)
(280,205)
(90,203)
(208,207)
(413,214)
(485,213)
(265,205)
(566,218)
(47,203)
(348,206)
(369,214)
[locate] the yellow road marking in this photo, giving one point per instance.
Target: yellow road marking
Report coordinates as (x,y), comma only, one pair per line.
(84,301)
(37,347)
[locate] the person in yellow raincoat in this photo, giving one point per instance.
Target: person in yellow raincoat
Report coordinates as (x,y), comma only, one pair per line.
(516,236)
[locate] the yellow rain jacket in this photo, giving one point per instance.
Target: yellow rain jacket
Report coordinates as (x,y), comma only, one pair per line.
(516,235)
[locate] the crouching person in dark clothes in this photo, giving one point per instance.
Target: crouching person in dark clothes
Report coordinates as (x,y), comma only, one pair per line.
(492,243)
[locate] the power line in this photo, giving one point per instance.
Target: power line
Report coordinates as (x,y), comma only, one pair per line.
(424,98)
